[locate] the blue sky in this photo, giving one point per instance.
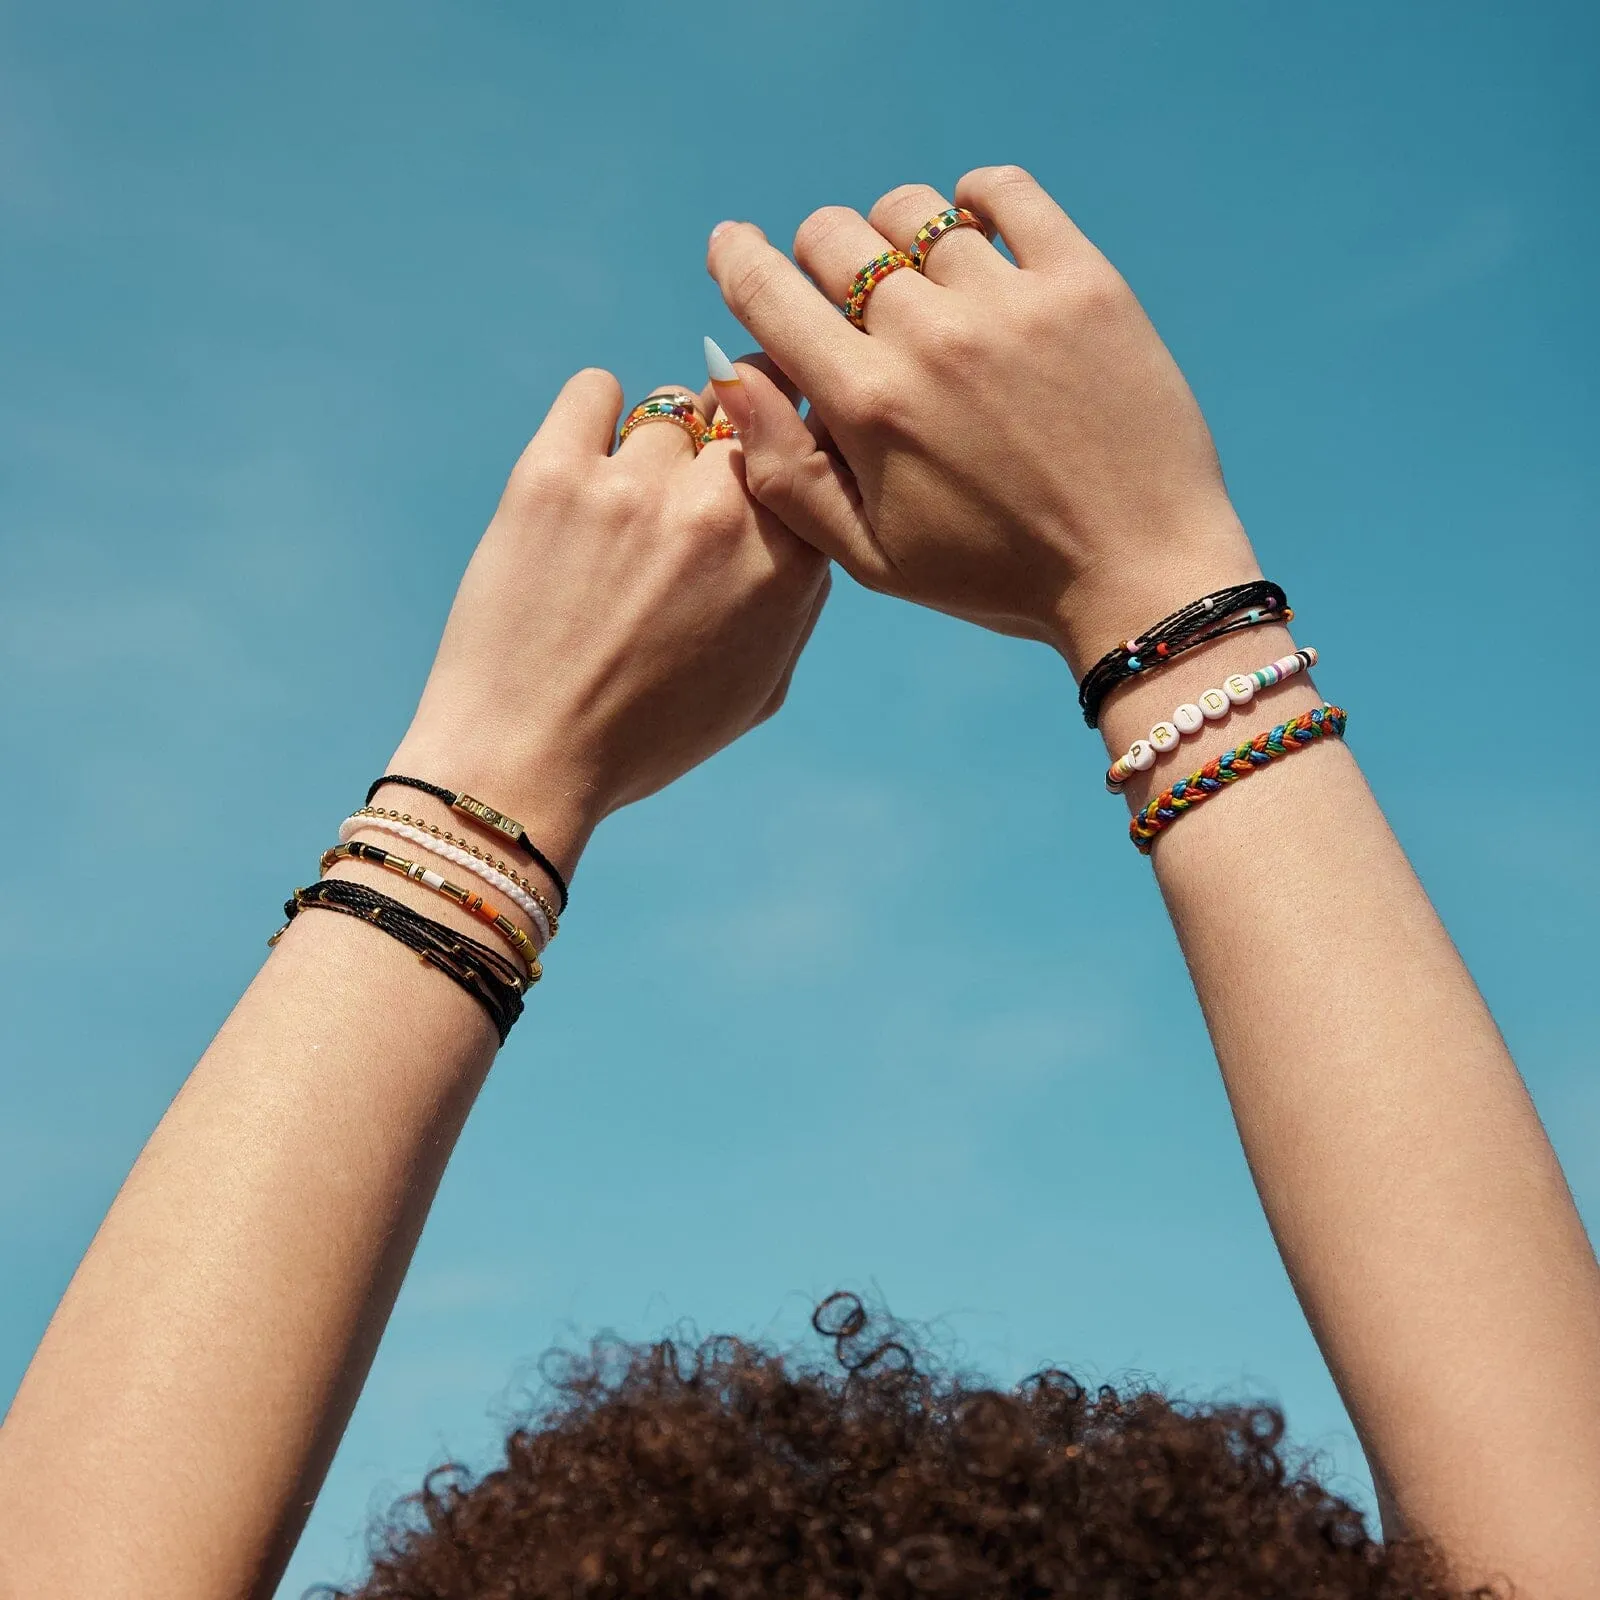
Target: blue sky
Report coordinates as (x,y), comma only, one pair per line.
(872,999)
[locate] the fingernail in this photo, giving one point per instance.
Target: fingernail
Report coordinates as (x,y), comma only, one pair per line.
(721,227)
(720,368)
(731,393)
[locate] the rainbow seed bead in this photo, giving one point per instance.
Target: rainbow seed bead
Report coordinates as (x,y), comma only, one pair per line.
(720,429)
(868,279)
(935,228)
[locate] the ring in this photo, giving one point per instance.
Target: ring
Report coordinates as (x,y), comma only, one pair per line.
(665,408)
(868,279)
(720,429)
(935,228)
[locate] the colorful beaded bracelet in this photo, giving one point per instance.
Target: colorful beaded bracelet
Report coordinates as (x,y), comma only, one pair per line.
(868,279)
(1243,605)
(1210,705)
(1326,722)
(468,899)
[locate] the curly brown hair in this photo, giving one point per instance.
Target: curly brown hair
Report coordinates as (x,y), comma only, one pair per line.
(723,1470)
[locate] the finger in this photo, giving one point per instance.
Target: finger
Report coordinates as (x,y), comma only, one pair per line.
(711,406)
(1041,235)
(583,417)
(810,491)
(959,255)
(786,316)
(781,692)
(834,244)
(664,438)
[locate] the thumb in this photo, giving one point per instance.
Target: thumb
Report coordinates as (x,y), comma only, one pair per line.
(808,489)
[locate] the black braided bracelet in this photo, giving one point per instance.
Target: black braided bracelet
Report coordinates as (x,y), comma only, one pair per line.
(1199,622)
(485,974)
(490,818)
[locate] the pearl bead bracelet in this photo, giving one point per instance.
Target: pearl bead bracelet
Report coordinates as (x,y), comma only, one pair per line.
(1210,705)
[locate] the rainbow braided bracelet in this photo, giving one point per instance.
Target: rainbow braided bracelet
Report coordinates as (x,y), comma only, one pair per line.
(1327,722)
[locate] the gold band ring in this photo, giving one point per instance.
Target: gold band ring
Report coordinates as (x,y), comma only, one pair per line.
(672,408)
(868,279)
(935,228)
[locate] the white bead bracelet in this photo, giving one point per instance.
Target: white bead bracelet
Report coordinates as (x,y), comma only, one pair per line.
(1210,705)
(526,904)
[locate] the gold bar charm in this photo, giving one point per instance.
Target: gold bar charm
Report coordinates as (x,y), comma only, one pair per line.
(489,817)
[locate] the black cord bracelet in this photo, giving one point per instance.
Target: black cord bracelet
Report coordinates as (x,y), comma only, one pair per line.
(1210,617)
(490,818)
(485,974)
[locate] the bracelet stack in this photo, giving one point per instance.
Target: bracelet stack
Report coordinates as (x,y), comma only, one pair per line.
(1211,617)
(1210,705)
(496,981)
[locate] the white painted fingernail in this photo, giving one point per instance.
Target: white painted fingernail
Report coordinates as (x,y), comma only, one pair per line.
(718,365)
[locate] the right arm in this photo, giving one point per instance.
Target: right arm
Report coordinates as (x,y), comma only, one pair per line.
(1013,444)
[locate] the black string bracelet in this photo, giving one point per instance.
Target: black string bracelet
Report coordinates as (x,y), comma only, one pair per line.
(479,812)
(1210,617)
(485,974)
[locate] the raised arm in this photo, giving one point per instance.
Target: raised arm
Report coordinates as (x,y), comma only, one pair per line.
(1012,443)
(621,620)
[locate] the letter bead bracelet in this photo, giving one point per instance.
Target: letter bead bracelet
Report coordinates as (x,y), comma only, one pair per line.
(1210,705)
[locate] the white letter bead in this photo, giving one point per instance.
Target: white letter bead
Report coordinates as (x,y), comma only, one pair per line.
(1190,718)
(1163,737)
(1214,704)
(1141,755)
(1240,688)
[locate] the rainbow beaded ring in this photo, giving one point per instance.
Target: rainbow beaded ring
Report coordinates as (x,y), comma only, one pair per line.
(720,429)
(1326,722)
(665,408)
(868,279)
(1210,705)
(935,228)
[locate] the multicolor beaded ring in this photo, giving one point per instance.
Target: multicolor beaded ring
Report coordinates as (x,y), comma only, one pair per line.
(666,408)
(868,279)
(1210,705)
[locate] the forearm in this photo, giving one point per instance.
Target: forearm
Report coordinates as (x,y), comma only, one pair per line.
(177,1420)
(1417,1202)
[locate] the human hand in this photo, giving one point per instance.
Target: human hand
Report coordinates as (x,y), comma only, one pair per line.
(1009,443)
(623,618)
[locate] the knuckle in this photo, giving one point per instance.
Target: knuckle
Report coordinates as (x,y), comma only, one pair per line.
(901,200)
(751,282)
(619,497)
(717,517)
(950,343)
(867,401)
(603,385)
(821,226)
(771,478)
(1000,178)
(1099,293)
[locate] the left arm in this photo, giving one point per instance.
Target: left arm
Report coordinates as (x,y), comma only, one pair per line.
(171,1433)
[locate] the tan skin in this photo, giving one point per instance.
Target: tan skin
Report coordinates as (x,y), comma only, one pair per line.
(173,1429)
(1013,444)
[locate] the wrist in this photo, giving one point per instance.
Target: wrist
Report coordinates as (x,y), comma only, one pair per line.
(553,802)
(1111,602)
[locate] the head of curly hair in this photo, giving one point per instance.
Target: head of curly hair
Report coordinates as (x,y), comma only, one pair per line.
(727,1471)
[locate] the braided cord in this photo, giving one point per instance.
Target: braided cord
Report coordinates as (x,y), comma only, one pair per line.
(1326,722)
